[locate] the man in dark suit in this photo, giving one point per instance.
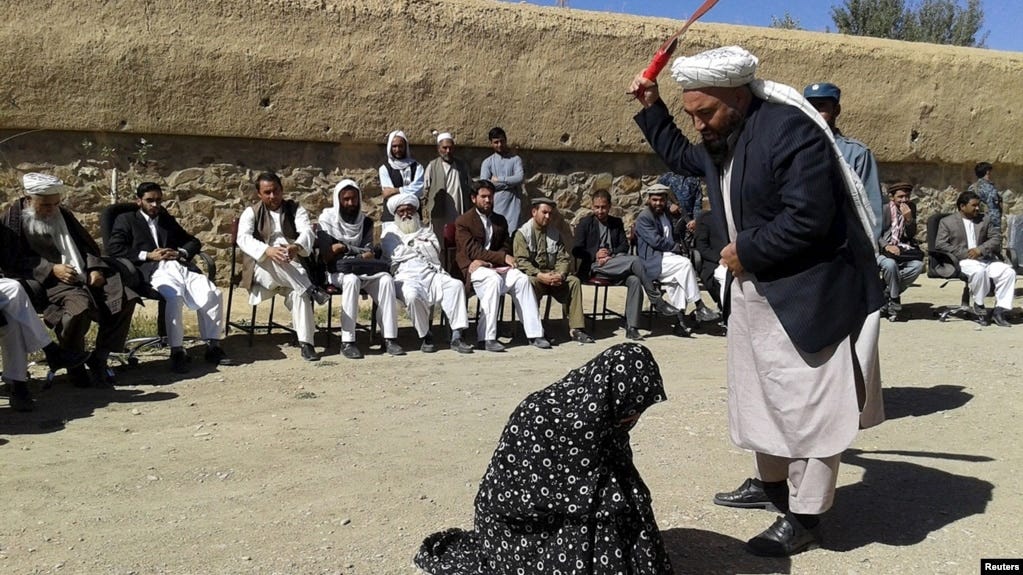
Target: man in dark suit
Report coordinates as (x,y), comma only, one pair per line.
(603,251)
(898,257)
(976,243)
(70,282)
(162,251)
(484,254)
(711,272)
(804,298)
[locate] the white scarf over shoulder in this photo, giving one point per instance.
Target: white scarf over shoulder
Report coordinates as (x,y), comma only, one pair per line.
(335,226)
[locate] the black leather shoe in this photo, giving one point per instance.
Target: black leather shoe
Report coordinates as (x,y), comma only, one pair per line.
(392,348)
(633,334)
(493,345)
(786,537)
(21,399)
(350,350)
(217,356)
(309,352)
(998,317)
(980,313)
(753,495)
(540,343)
(100,373)
(179,361)
(460,346)
(664,308)
(581,336)
(682,330)
(59,358)
(427,345)
(705,314)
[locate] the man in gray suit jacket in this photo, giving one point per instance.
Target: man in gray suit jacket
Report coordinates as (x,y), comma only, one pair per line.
(897,249)
(976,243)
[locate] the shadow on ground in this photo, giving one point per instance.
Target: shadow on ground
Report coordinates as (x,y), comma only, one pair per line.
(58,405)
(899,503)
(902,402)
(696,551)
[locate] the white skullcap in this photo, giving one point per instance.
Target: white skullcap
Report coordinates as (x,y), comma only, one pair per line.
(656,189)
(725,67)
(42,184)
(445,136)
(397,200)
(346,184)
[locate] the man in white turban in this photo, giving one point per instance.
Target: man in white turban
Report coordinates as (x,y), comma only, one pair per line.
(401,174)
(276,238)
(802,330)
(62,265)
(447,186)
(414,253)
(346,247)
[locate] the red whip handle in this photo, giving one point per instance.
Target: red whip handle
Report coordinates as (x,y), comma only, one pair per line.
(657,64)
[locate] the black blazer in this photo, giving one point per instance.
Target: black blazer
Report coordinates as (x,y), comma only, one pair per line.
(587,241)
(797,231)
(130,236)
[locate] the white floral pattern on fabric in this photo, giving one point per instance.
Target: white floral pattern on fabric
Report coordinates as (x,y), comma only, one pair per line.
(561,494)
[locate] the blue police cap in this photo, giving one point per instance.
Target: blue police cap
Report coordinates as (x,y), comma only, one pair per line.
(822,90)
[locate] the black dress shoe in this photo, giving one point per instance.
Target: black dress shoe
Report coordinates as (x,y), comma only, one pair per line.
(705,314)
(217,356)
(309,352)
(392,348)
(179,361)
(786,537)
(100,373)
(753,494)
(350,350)
(540,343)
(493,345)
(427,345)
(460,346)
(682,330)
(581,336)
(21,399)
(998,317)
(58,358)
(664,308)
(633,334)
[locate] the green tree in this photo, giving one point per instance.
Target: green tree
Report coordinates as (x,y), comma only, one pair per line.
(935,21)
(786,22)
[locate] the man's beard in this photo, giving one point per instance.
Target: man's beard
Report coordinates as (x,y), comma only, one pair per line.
(350,215)
(41,227)
(409,225)
(720,147)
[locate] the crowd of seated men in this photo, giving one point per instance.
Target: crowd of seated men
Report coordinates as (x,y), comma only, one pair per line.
(57,277)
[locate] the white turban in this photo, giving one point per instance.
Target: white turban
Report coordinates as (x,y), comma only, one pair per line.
(445,136)
(725,67)
(397,200)
(42,184)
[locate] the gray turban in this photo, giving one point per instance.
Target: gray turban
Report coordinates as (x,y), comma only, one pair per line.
(725,67)
(42,184)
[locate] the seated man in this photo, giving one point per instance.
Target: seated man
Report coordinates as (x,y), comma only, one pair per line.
(662,253)
(346,246)
(484,255)
(603,250)
(899,257)
(711,273)
(414,253)
(53,251)
(976,244)
(162,251)
(541,255)
(24,333)
(276,237)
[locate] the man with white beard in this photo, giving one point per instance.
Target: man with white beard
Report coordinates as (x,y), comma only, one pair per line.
(414,253)
(60,262)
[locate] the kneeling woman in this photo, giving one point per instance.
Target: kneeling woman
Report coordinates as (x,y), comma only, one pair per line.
(561,494)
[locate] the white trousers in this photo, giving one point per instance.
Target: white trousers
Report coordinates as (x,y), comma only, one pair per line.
(720,273)
(679,280)
(24,332)
(179,287)
(289,280)
(380,287)
(490,286)
(421,292)
(981,272)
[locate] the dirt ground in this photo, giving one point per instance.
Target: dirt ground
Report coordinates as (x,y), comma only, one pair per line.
(343,467)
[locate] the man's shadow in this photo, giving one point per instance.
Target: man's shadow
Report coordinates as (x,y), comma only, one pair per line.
(902,402)
(57,406)
(709,553)
(900,503)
